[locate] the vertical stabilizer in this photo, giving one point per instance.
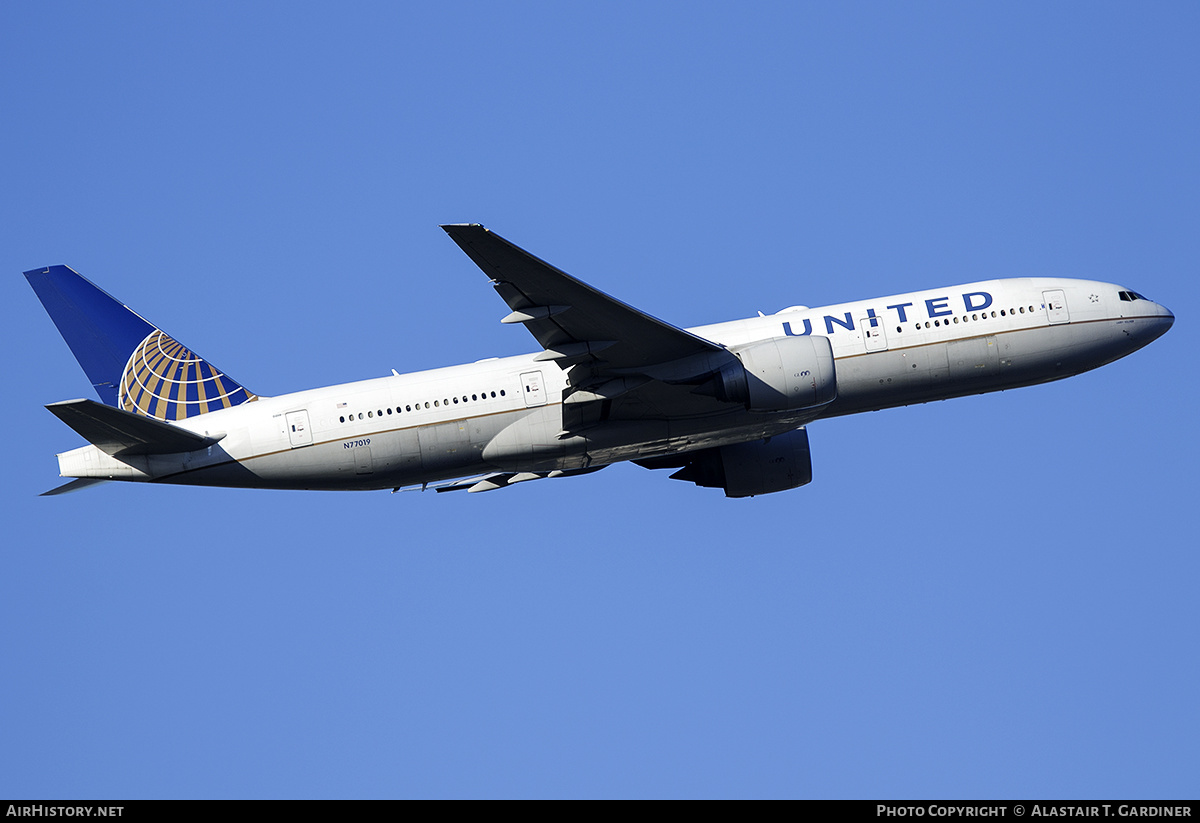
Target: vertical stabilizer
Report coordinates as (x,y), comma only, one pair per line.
(132,365)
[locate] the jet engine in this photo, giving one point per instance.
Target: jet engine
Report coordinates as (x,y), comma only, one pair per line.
(780,374)
(745,469)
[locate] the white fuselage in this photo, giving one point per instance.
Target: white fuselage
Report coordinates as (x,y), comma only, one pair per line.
(506,414)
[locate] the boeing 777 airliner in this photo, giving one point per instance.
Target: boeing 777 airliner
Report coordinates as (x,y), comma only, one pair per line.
(726,405)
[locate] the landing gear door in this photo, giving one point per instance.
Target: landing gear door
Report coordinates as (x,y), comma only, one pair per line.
(874,336)
(1056,306)
(535,392)
(299,432)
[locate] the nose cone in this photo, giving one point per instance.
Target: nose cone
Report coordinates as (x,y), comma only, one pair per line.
(1162,320)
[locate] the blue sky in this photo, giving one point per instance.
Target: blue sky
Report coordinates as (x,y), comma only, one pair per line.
(987,597)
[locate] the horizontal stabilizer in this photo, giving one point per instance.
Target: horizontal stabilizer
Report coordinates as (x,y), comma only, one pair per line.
(118,433)
(75,485)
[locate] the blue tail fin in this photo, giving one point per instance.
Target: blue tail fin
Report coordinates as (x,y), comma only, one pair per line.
(132,365)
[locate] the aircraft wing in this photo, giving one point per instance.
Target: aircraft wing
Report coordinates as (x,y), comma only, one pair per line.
(575,323)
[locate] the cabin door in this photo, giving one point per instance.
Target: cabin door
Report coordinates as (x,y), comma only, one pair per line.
(535,392)
(1056,306)
(874,336)
(298,429)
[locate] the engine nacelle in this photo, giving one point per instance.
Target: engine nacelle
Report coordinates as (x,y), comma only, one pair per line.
(780,374)
(746,469)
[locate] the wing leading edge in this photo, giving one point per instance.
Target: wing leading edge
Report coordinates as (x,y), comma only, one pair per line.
(571,320)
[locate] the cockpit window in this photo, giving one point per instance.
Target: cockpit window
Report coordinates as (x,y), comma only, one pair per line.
(1130,296)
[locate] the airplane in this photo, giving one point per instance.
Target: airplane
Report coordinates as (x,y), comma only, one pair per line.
(726,406)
